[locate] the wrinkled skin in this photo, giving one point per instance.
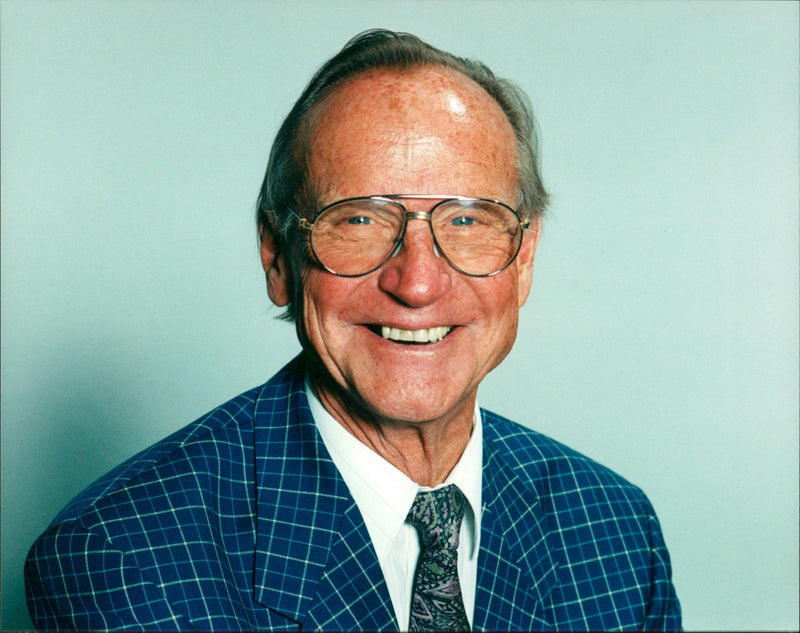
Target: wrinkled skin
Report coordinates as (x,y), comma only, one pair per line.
(432,131)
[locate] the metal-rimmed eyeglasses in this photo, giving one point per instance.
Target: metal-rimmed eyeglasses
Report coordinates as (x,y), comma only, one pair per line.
(356,236)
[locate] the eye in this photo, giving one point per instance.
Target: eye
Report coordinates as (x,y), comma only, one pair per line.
(359,219)
(462,220)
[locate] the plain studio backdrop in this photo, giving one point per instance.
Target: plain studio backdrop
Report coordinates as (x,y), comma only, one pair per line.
(661,337)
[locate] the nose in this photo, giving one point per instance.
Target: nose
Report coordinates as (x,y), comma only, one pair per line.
(417,275)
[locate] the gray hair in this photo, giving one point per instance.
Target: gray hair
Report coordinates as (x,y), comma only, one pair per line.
(286,185)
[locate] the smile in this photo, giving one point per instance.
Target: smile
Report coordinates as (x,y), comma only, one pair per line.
(427,335)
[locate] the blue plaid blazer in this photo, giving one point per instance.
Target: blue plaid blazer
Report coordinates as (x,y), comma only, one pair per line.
(241,521)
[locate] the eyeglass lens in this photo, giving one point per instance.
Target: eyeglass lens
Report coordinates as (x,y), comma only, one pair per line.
(354,237)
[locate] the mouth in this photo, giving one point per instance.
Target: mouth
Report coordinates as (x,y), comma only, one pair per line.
(423,336)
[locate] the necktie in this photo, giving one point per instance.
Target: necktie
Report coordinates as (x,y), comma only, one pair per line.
(436,603)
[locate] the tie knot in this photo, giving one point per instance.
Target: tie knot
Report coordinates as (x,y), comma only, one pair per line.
(437,516)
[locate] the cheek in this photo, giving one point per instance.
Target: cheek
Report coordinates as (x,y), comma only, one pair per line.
(502,310)
(327,300)
(313,314)
(501,296)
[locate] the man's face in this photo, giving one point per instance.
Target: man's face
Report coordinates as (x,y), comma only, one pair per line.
(426,131)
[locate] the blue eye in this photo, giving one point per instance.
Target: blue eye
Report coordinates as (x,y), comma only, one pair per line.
(359,219)
(463,221)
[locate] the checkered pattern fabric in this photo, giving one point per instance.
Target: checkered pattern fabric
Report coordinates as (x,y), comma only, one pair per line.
(240,521)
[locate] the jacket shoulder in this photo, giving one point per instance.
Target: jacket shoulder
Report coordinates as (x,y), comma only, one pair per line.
(172,527)
(226,428)
(612,568)
(554,469)
(230,416)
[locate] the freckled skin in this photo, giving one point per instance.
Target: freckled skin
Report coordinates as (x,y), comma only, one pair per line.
(431,131)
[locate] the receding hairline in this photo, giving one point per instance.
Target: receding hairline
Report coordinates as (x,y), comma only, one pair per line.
(313,117)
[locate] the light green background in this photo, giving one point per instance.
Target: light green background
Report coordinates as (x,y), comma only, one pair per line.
(661,337)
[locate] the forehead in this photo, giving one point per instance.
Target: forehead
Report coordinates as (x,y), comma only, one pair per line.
(432,88)
(394,126)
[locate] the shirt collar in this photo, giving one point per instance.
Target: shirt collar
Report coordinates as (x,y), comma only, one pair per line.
(384,493)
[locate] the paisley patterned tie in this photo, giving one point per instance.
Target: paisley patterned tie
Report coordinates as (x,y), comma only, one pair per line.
(436,603)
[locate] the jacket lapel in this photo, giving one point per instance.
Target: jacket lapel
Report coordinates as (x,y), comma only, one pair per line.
(516,567)
(314,560)
(352,593)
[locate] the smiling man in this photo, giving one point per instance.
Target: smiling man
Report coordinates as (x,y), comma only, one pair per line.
(362,487)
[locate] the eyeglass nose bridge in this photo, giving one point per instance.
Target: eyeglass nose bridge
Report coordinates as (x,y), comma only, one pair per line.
(418,215)
(415,215)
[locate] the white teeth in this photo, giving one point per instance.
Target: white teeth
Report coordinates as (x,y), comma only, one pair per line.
(430,335)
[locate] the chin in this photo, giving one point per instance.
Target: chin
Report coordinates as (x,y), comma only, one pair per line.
(419,407)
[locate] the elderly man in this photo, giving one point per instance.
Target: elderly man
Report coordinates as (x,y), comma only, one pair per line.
(362,487)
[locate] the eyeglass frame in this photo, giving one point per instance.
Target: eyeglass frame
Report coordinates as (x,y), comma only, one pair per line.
(308,227)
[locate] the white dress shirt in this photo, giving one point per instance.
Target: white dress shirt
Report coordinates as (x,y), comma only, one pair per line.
(384,495)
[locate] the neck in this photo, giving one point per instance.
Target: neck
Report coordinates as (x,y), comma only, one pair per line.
(426,451)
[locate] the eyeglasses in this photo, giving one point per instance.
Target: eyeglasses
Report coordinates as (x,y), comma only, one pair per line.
(356,236)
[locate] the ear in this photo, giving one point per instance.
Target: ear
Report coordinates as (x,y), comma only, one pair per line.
(275,266)
(530,240)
